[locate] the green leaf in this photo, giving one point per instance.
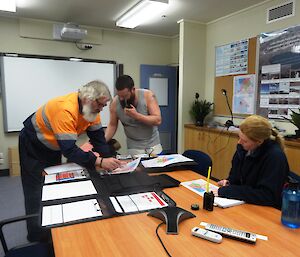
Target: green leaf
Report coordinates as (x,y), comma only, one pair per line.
(200,109)
(295,118)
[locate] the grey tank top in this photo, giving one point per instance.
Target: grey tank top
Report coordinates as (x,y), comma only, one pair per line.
(139,135)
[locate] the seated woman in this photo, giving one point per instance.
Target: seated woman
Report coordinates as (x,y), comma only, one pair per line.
(259,165)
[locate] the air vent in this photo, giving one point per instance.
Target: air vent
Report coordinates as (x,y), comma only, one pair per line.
(281,11)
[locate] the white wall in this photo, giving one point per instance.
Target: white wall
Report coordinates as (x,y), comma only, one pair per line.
(130,49)
(192,45)
(175,51)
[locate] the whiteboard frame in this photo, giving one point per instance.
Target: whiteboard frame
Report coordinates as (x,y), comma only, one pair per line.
(57,75)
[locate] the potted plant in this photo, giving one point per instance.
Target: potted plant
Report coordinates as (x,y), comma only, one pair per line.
(200,109)
(295,119)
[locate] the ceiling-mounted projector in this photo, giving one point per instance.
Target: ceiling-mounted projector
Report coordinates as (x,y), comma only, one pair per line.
(72,32)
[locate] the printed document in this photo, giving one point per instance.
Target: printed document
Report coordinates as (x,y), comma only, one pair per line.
(126,203)
(61,213)
(165,160)
(148,201)
(199,187)
(138,202)
(127,168)
(66,190)
(64,176)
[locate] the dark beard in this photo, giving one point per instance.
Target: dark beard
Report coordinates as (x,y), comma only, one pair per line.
(127,103)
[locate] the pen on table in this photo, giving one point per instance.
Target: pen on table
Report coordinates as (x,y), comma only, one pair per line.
(207,180)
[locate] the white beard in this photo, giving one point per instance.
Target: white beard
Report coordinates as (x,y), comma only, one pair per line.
(88,115)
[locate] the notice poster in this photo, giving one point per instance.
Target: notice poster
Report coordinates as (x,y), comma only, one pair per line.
(232,58)
(279,72)
(243,101)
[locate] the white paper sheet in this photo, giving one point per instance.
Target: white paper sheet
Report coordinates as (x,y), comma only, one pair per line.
(225,202)
(61,213)
(66,190)
(52,215)
(81,210)
(64,176)
(126,203)
(63,167)
(165,160)
(148,201)
(115,204)
(127,168)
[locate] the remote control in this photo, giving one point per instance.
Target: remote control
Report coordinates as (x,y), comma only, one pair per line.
(233,233)
(206,234)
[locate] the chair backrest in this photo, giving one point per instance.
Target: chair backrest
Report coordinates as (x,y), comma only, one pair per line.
(203,160)
(31,250)
(294,176)
(40,249)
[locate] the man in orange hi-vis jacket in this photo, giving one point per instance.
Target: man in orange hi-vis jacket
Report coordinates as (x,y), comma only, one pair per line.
(51,132)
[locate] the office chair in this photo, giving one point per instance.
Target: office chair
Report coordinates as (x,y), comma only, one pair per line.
(203,160)
(294,176)
(39,249)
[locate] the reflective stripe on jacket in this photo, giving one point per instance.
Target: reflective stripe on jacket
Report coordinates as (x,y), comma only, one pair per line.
(60,119)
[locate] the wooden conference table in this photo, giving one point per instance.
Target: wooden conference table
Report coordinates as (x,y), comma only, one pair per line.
(134,235)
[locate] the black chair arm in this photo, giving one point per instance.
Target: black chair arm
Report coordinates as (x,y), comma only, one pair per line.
(12,220)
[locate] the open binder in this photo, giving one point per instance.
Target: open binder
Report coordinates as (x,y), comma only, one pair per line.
(114,196)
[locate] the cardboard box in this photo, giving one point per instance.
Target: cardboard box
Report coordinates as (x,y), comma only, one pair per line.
(14,161)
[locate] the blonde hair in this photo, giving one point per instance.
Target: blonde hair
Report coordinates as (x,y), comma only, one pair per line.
(94,90)
(258,128)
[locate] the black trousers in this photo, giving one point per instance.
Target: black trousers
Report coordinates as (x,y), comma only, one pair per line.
(34,157)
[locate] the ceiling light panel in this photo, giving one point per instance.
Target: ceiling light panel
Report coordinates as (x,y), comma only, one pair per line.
(140,13)
(8,5)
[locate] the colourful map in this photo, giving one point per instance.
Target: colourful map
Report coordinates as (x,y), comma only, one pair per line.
(244,94)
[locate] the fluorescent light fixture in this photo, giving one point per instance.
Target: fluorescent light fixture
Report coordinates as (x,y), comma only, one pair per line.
(8,5)
(11,55)
(74,59)
(141,13)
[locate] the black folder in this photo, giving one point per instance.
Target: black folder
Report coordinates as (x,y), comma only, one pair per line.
(118,185)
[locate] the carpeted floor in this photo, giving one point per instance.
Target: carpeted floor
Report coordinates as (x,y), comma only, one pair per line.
(12,205)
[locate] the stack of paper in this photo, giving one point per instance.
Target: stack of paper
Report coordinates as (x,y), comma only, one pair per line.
(226,202)
(165,160)
(61,213)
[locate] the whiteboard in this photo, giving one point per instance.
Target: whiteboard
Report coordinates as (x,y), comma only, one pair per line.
(29,82)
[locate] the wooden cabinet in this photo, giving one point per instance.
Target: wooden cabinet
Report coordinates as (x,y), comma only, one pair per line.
(292,151)
(196,139)
(220,145)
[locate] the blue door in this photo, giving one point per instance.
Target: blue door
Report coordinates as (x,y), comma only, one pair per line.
(162,80)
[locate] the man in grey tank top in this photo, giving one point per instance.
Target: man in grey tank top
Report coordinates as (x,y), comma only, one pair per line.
(140,115)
